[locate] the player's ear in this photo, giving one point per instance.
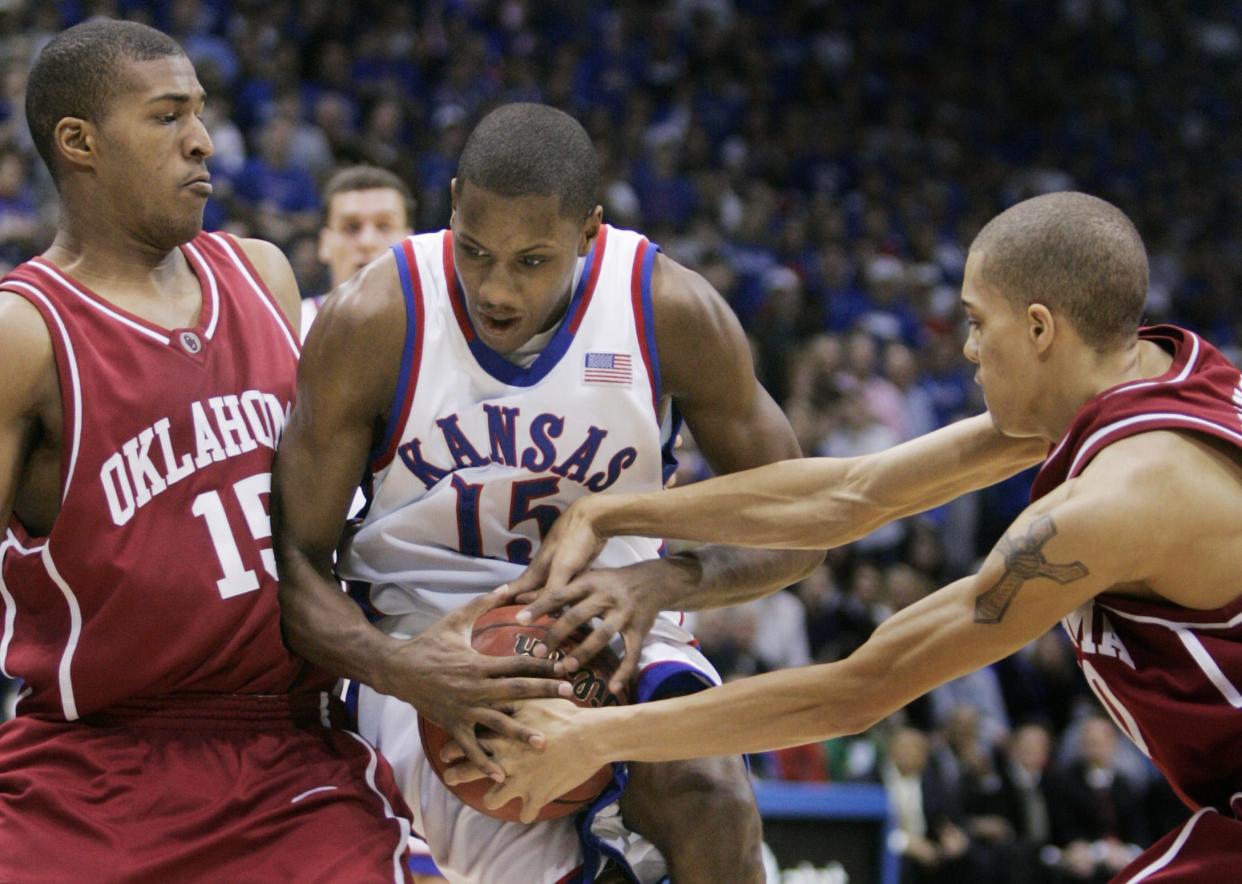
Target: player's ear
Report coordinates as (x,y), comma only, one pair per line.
(452,201)
(74,140)
(590,230)
(1040,327)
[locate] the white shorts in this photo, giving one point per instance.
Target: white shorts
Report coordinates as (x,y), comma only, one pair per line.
(472,848)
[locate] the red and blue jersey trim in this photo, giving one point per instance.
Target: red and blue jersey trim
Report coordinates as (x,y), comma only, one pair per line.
(498,366)
(411,355)
(644,316)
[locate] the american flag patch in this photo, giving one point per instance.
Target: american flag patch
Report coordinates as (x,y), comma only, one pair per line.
(608,368)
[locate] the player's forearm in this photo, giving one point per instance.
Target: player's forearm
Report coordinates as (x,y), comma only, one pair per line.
(787,708)
(721,576)
(913,651)
(818,503)
(324,625)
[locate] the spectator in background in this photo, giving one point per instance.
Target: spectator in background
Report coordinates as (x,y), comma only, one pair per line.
(1096,818)
(1024,770)
(882,398)
(856,431)
(837,621)
(760,636)
(928,837)
(901,369)
(776,328)
(844,302)
(365,210)
(21,232)
(277,195)
(309,148)
(889,317)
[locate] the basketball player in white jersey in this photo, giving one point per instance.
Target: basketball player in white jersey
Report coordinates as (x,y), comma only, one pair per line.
(489,375)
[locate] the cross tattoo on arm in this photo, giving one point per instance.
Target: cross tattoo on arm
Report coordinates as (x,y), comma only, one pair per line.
(1024,560)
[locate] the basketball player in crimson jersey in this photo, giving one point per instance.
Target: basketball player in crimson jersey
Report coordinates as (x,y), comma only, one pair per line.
(484,377)
(164,732)
(1131,542)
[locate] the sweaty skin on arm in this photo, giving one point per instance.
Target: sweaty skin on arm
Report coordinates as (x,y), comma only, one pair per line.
(706,368)
(1106,530)
(346,382)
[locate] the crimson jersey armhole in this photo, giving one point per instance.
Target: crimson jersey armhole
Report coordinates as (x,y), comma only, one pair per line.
(233,250)
(69,381)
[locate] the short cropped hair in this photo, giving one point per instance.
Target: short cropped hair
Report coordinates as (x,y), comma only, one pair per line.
(1074,253)
(78,74)
(365,177)
(526,149)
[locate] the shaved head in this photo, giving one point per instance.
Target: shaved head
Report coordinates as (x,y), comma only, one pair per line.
(528,149)
(1075,254)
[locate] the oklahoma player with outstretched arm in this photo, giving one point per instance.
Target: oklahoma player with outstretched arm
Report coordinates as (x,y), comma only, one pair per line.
(1131,543)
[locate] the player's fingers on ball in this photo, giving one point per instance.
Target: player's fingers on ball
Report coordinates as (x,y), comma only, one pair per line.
(452,752)
(517,666)
(534,576)
(465,772)
(629,661)
(551,601)
(476,756)
(600,635)
(535,688)
(498,796)
(571,619)
(508,727)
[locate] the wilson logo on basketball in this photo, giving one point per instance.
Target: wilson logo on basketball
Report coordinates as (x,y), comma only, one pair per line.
(589,689)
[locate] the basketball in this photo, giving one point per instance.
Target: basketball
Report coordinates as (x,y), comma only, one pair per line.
(498,633)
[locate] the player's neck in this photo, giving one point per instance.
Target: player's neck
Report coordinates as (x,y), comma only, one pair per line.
(1091,373)
(103,258)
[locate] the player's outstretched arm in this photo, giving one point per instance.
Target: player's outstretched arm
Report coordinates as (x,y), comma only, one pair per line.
(346,383)
(1061,552)
(812,503)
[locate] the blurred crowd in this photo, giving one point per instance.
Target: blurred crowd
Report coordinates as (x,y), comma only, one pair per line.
(825,164)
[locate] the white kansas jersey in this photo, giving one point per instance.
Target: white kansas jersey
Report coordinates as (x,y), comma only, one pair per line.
(481,455)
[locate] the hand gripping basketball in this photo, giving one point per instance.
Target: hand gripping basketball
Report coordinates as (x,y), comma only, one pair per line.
(498,633)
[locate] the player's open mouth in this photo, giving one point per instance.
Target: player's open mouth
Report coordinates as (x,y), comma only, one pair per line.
(495,325)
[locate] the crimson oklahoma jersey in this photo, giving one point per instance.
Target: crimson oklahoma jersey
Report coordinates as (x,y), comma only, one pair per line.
(1171,677)
(158,575)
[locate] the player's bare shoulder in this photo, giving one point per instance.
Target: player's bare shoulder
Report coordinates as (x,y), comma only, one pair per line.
(365,313)
(359,334)
(1177,495)
(277,274)
(26,357)
(700,340)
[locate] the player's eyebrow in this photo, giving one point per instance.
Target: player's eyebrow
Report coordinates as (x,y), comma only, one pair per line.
(177,97)
(469,240)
